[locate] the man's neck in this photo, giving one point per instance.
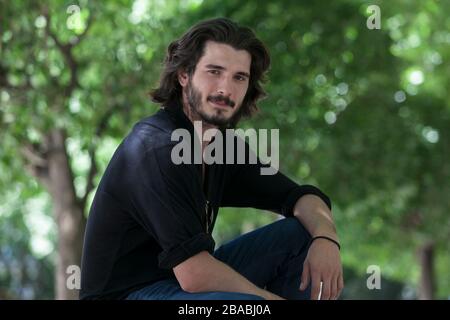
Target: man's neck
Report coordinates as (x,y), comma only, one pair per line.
(192,116)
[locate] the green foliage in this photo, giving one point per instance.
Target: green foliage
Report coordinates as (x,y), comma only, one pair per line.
(364,114)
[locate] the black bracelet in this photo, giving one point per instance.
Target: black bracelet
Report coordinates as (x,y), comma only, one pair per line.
(324,237)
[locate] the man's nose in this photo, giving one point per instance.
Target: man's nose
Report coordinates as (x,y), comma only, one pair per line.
(225,87)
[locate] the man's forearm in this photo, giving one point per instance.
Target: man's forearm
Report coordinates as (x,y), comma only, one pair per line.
(209,274)
(315,215)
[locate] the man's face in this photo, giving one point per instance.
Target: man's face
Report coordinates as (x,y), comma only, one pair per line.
(217,88)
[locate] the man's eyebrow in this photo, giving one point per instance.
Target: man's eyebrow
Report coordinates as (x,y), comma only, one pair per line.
(215,66)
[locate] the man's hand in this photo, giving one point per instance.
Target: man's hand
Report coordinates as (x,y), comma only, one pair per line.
(323,264)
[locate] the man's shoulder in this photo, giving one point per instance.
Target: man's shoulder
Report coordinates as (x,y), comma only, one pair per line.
(151,133)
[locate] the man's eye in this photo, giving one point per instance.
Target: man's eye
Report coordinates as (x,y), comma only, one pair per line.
(214,71)
(240,78)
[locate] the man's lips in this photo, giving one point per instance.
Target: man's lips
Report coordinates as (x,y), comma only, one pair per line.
(221,101)
(220,104)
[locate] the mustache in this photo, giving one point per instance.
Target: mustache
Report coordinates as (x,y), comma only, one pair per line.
(220,98)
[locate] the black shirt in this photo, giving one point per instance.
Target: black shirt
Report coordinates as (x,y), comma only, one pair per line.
(149,214)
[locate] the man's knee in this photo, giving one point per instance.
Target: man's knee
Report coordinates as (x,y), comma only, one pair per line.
(292,231)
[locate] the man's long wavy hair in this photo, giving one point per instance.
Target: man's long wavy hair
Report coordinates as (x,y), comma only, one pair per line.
(185,52)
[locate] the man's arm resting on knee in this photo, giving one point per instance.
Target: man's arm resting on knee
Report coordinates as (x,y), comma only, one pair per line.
(323,262)
(315,215)
(203,273)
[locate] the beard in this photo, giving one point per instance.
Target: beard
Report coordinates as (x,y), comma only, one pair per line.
(218,118)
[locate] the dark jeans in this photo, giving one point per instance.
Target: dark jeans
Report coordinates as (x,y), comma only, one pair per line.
(271,257)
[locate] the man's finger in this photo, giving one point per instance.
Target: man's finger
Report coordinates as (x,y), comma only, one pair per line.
(315,286)
(326,288)
(305,277)
(340,284)
(334,287)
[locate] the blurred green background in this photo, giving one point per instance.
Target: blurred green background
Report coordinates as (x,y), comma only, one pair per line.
(363,113)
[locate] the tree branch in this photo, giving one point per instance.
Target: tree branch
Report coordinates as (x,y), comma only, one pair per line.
(90,177)
(4,76)
(66,50)
(34,157)
(101,127)
(37,164)
(85,31)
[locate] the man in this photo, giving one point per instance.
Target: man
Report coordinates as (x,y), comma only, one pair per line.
(149,229)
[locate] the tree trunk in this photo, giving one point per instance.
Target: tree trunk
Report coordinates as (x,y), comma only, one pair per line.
(426,253)
(67,210)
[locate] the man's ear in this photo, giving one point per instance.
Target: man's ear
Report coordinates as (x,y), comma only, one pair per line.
(183,78)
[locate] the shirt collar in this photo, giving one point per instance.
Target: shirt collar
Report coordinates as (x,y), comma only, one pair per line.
(176,113)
